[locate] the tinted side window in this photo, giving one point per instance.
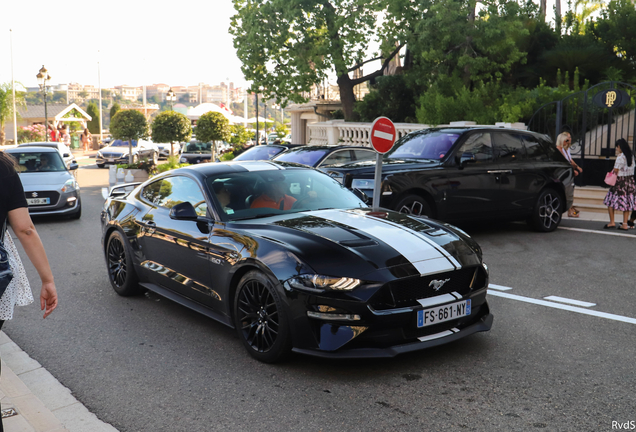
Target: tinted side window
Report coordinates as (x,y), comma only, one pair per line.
(364,155)
(478,148)
(509,147)
(171,191)
(534,150)
(337,157)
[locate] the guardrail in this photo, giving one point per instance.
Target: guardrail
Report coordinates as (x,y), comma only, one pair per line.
(339,132)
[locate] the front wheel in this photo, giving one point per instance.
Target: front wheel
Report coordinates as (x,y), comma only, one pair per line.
(261,319)
(121,273)
(546,214)
(414,205)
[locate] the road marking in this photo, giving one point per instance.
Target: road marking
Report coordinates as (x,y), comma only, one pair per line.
(383,135)
(564,307)
(598,232)
(499,287)
(570,301)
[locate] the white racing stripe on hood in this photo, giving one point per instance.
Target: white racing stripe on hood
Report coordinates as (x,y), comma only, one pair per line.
(426,258)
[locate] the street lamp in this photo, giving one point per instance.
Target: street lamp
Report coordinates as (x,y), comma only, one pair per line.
(171,97)
(43,80)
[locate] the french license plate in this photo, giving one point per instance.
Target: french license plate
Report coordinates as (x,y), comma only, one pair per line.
(111,160)
(443,313)
(38,201)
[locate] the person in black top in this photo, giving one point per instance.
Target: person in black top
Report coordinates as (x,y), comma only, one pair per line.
(13,209)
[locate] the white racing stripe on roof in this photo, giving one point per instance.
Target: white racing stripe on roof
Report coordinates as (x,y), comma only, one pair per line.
(424,257)
(262,166)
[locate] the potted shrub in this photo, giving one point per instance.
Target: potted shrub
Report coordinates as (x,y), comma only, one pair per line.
(141,170)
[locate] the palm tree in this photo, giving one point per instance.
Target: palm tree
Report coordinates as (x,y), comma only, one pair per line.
(588,7)
(6,106)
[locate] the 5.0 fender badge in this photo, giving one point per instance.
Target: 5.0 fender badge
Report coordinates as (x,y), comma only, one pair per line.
(437,284)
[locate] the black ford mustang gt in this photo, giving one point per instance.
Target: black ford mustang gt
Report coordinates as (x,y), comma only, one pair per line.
(318,272)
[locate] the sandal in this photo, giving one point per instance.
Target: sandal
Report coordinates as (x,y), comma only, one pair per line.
(630,223)
(608,226)
(573,214)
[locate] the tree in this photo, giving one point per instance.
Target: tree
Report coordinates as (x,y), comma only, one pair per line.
(171,126)
(114,110)
(240,135)
(213,126)
(129,125)
(93,111)
(6,107)
(286,47)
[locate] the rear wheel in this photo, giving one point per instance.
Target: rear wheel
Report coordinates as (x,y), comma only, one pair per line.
(101,165)
(121,272)
(546,215)
(260,318)
(414,205)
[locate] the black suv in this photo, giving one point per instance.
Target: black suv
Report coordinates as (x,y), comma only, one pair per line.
(468,173)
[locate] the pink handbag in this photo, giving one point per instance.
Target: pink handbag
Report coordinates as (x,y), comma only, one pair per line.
(610,178)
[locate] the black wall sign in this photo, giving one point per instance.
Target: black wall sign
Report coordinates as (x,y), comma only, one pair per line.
(612,98)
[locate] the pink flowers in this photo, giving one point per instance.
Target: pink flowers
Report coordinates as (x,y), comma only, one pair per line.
(31,133)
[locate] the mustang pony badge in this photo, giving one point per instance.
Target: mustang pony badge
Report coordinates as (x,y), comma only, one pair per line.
(437,284)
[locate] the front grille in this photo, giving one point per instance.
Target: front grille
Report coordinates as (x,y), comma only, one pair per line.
(111,155)
(53,195)
(405,292)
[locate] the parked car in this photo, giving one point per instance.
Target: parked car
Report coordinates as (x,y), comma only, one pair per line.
(263,152)
(327,277)
(323,156)
(117,152)
(463,174)
(164,149)
(65,152)
(196,152)
(49,186)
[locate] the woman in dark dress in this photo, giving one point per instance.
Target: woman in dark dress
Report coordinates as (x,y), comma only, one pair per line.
(13,209)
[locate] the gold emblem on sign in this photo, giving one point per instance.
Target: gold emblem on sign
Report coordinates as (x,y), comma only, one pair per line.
(610,98)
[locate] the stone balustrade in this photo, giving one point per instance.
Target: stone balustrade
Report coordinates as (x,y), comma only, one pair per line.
(339,132)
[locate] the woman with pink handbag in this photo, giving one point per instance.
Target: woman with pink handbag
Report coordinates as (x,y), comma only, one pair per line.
(622,196)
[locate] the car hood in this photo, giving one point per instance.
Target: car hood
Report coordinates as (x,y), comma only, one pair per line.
(360,242)
(122,150)
(44,180)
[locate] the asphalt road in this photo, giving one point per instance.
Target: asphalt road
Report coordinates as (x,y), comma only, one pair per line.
(148,364)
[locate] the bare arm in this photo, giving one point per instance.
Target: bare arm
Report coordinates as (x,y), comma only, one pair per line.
(25,231)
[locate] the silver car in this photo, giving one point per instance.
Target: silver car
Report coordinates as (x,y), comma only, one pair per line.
(164,149)
(49,186)
(64,150)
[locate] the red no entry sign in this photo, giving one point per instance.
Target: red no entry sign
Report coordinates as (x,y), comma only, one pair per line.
(382,134)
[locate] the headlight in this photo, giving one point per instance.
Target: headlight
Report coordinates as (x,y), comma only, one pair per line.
(363,184)
(69,186)
(320,283)
(183,160)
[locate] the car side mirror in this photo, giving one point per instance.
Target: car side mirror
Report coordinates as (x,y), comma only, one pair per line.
(183,211)
(363,197)
(66,155)
(464,159)
(73,166)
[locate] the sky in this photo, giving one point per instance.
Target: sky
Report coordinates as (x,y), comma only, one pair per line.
(135,42)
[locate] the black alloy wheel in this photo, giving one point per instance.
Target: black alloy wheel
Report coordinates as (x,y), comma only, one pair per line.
(546,215)
(260,319)
(121,273)
(414,205)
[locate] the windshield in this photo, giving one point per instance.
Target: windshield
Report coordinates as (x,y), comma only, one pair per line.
(120,143)
(39,162)
(254,194)
(423,145)
(303,156)
(198,148)
(263,152)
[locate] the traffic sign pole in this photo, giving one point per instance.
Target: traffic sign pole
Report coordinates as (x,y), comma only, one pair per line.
(378,182)
(382,137)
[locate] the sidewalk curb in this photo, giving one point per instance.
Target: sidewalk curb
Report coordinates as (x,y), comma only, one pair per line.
(42,403)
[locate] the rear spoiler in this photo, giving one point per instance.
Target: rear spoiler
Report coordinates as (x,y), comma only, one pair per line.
(119,191)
